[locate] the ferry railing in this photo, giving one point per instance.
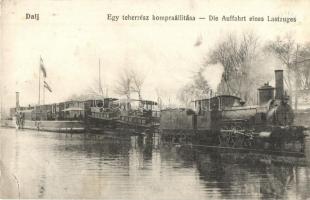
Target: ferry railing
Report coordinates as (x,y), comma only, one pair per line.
(104,115)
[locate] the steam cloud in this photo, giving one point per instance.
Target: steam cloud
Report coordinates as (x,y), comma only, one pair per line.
(213,74)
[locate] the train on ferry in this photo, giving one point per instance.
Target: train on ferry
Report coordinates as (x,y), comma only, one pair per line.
(226,120)
(223,120)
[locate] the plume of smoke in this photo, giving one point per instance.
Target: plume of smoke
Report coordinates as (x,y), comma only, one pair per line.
(213,74)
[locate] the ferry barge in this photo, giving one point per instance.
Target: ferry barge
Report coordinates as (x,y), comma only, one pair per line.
(94,115)
(61,117)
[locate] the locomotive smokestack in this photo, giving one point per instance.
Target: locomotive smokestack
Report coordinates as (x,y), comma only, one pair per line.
(17,100)
(279,84)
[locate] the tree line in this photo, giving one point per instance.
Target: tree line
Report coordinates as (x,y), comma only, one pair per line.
(243,58)
(245,61)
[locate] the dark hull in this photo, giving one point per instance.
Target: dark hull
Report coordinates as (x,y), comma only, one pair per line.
(98,125)
(128,123)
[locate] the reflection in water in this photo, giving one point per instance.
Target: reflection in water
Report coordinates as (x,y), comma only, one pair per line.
(51,165)
(245,177)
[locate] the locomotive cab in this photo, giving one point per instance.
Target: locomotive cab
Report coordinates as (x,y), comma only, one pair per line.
(280,113)
(210,111)
(217,103)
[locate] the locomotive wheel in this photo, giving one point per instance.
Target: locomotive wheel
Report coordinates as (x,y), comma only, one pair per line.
(224,139)
(248,142)
(237,138)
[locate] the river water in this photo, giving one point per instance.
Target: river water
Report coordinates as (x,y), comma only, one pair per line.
(52,165)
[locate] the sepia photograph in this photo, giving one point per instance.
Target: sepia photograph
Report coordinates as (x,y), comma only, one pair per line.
(166,99)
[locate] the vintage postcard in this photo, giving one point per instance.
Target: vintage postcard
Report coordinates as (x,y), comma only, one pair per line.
(178,99)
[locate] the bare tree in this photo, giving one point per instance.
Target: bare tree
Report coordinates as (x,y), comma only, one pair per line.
(285,50)
(239,57)
(187,94)
(295,58)
(200,83)
(123,84)
(129,81)
(302,62)
(198,88)
(137,80)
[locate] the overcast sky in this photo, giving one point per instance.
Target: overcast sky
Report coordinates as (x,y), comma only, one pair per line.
(71,36)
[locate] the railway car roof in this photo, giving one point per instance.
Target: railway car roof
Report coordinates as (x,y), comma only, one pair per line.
(26,111)
(149,102)
(218,96)
(111,99)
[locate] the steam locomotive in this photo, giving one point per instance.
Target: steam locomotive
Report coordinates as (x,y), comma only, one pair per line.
(226,120)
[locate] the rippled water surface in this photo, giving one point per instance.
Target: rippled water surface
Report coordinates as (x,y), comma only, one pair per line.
(52,165)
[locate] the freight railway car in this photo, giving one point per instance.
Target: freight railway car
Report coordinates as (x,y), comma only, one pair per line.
(226,120)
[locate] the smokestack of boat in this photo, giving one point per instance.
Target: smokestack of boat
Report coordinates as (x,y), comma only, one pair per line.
(17,100)
(279,84)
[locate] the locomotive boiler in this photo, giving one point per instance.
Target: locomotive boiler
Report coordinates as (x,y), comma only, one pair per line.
(228,121)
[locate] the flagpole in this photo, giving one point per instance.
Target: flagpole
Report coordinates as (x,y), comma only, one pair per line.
(99,77)
(1,116)
(100,86)
(39,80)
(43,91)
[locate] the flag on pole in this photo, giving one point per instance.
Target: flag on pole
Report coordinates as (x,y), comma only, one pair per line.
(47,86)
(42,67)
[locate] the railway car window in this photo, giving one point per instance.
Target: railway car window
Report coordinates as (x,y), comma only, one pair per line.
(263,116)
(99,104)
(199,107)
